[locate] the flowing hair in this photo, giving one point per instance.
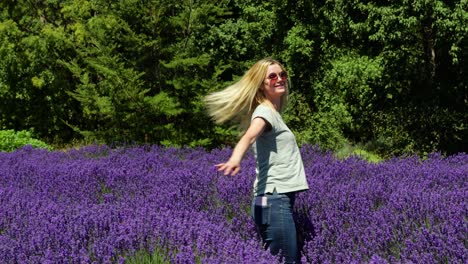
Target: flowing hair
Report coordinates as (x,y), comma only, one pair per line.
(238,101)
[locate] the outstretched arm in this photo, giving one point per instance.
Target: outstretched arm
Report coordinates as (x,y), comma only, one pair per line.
(232,166)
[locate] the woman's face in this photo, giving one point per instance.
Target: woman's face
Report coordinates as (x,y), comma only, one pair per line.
(275,83)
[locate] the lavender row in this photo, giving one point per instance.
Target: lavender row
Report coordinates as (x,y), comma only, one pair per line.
(400,211)
(101,205)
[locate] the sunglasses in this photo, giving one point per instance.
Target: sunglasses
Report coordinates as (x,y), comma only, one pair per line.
(273,76)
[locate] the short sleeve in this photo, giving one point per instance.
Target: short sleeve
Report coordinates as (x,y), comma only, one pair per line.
(264,112)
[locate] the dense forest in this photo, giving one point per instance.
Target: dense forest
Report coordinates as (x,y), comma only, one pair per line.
(388,75)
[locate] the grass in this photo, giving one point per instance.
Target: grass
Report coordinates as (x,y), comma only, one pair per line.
(348,151)
(144,257)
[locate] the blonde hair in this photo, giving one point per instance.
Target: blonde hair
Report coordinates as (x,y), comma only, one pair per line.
(238,101)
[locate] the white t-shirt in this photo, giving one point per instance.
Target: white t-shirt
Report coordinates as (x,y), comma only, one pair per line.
(279,162)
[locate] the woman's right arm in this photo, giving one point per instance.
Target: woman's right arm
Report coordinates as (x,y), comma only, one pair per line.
(232,166)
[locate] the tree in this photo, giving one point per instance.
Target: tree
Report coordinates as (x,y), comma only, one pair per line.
(382,73)
(32,81)
(391,50)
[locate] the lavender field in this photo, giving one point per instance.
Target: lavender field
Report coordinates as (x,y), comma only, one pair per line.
(103,205)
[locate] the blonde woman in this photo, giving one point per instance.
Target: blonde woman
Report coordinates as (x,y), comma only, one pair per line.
(256,101)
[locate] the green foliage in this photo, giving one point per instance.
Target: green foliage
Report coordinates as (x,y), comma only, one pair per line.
(321,128)
(403,48)
(143,257)
(11,140)
(33,85)
(347,94)
(388,75)
(349,151)
(416,130)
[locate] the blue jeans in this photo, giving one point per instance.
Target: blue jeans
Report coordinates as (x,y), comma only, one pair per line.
(273,216)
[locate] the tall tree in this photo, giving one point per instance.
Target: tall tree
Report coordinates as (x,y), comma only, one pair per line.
(34,84)
(386,72)
(401,54)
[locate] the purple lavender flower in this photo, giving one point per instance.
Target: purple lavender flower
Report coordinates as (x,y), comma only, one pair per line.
(103,205)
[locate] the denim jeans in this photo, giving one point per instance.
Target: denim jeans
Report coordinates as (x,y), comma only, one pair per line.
(273,216)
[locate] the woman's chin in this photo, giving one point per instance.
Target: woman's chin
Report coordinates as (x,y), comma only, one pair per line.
(281,89)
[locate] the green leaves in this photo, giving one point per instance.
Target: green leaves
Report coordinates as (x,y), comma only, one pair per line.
(11,140)
(163,104)
(361,71)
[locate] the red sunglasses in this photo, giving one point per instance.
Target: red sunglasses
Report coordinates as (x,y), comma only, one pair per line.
(273,76)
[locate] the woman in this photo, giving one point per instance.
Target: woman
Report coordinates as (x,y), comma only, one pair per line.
(256,101)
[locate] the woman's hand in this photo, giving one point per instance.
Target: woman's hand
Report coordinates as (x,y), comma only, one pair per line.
(229,168)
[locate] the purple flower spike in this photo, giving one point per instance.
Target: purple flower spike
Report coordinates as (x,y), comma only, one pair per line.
(103,205)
